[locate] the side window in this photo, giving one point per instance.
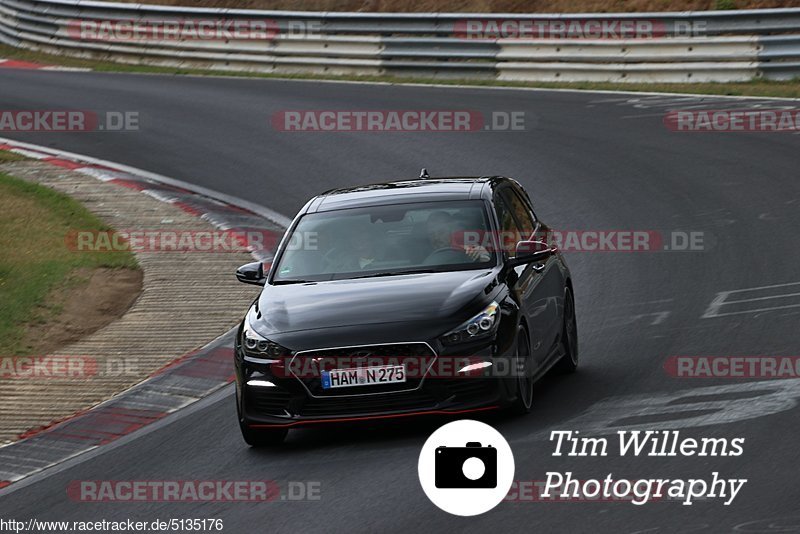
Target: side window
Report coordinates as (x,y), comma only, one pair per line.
(509,231)
(520,210)
(526,202)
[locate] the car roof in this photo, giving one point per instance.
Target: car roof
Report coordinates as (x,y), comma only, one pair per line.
(407,191)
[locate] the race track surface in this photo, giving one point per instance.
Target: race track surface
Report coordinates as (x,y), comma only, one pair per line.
(590,162)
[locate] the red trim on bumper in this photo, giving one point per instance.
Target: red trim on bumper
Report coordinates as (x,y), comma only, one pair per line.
(370,417)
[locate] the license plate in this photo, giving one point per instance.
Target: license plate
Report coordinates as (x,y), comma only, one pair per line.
(363,376)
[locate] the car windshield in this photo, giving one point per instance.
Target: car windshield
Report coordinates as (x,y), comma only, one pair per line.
(387,240)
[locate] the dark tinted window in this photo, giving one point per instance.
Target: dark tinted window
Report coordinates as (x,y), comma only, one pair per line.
(509,230)
(520,210)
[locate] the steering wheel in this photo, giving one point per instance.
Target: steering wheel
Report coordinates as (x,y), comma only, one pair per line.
(446,255)
(332,256)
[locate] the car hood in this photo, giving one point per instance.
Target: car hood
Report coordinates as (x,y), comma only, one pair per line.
(430,298)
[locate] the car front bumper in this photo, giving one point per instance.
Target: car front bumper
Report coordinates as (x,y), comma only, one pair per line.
(270,401)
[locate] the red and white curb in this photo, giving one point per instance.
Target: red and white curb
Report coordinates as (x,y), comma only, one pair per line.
(108,170)
(177,385)
(29,65)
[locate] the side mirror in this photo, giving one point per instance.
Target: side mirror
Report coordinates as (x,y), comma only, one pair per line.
(252,273)
(531,251)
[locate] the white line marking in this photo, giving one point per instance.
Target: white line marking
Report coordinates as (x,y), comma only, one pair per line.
(631,304)
(720,300)
(764,298)
(660,317)
(615,322)
(687,406)
(764,287)
(716,304)
(757,310)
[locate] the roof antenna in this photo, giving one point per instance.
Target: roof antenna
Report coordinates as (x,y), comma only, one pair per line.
(423,174)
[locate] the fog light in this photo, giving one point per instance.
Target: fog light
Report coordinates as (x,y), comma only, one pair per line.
(260,383)
(474,367)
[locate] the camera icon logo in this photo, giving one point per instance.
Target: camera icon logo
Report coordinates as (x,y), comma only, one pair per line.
(466,467)
(472,466)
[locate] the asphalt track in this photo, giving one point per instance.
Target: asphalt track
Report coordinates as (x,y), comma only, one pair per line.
(589,161)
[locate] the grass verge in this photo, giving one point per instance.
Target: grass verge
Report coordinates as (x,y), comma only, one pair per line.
(35,259)
(762,88)
(7,157)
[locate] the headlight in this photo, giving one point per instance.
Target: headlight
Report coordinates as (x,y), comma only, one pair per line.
(482,325)
(259,347)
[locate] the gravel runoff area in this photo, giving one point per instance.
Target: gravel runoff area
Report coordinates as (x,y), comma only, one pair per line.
(188,299)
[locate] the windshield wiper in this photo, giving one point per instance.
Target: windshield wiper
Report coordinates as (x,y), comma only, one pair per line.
(291,281)
(396,273)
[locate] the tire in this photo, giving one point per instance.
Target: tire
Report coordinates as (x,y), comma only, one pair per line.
(568,363)
(263,437)
(524,380)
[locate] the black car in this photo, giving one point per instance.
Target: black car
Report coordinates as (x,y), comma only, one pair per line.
(429,296)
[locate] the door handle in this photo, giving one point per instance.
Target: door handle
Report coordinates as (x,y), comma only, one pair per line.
(538,267)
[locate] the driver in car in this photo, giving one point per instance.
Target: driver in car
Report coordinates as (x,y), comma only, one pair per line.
(441,228)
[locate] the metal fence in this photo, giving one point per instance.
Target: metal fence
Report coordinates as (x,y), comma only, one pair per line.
(634,47)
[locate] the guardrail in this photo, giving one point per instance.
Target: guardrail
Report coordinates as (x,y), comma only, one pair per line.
(717,46)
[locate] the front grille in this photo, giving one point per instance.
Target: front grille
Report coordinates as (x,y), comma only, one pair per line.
(413,355)
(268,400)
(392,402)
